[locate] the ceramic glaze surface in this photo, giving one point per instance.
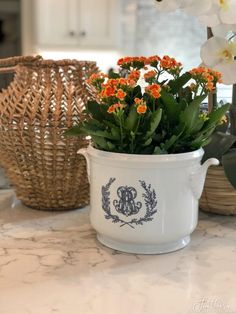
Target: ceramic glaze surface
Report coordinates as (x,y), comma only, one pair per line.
(145,203)
(51,263)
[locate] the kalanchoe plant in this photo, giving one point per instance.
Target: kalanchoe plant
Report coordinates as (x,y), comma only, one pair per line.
(150,107)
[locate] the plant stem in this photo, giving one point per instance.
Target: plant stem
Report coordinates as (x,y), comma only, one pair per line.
(121,130)
(133,135)
(212,98)
(234,95)
(232,112)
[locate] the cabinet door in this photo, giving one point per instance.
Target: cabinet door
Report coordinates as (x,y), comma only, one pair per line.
(98,23)
(56,22)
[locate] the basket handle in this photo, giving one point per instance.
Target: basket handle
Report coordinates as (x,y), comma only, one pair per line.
(10,64)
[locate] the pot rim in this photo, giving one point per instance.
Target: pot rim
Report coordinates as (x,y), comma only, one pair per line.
(94,152)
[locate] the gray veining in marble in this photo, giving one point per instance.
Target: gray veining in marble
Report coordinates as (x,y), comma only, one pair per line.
(52,263)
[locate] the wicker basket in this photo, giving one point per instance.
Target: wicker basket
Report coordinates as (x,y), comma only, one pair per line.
(218,195)
(45,98)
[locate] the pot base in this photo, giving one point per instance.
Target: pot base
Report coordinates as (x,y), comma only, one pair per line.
(144,248)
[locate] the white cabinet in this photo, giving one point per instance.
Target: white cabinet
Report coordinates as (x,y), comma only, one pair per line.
(73,23)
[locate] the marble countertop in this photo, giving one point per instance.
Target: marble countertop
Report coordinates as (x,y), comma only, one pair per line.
(51,263)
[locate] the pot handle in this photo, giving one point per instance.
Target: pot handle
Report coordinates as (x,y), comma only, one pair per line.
(83,151)
(197,178)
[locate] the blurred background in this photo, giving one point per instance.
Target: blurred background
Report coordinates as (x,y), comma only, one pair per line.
(100,30)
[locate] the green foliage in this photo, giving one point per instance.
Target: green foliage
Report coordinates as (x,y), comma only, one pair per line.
(164,117)
(229,164)
(223,147)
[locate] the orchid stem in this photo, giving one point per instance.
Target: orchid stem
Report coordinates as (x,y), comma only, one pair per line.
(212,98)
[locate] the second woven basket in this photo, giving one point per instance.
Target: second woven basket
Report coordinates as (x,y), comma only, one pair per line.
(45,98)
(218,196)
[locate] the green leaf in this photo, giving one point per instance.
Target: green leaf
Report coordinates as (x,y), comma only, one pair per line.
(103,144)
(99,112)
(172,108)
(229,164)
(183,104)
(198,125)
(95,110)
(133,93)
(202,138)
(178,83)
(191,114)
(113,75)
(186,94)
(159,151)
(153,124)
(220,144)
(147,142)
(115,130)
(104,134)
(74,131)
(92,129)
(216,115)
(132,119)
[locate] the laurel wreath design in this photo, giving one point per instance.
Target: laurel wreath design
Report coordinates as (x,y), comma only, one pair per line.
(150,201)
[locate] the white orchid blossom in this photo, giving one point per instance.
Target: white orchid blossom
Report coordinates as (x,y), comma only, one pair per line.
(196,7)
(210,12)
(224,30)
(220,12)
(219,54)
(168,5)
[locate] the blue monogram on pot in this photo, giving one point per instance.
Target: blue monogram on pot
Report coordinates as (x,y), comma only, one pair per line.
(127,205)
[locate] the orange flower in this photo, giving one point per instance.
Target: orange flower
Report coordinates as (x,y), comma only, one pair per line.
(135,62)
(120,94)
(153,60)
(122,81)
(138,101)
(141,109)
(96,77)
(217,75)
(131,82)
(154,90)
(207,76)
(109,91)
(210,86)
(134,75)
(149,75)
(113,108)
(124,60)
(169,63)
(112,82)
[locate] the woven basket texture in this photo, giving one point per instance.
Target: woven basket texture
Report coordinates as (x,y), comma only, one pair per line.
(45,98)
(218,195)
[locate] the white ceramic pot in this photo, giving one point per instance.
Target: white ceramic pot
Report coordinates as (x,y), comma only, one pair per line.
(145,204)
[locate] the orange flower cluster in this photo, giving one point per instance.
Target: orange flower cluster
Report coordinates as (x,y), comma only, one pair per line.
(169,63)
(165,63)
(96,78)
(130,60)
(153,60)
(113,88)
(150,75)
(207,76)
(120,94)
(141,105)
(134,75)
(107,91)
(154,90)
(113,107)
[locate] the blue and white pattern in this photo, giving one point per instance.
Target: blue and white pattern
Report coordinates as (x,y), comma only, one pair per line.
(126,204)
